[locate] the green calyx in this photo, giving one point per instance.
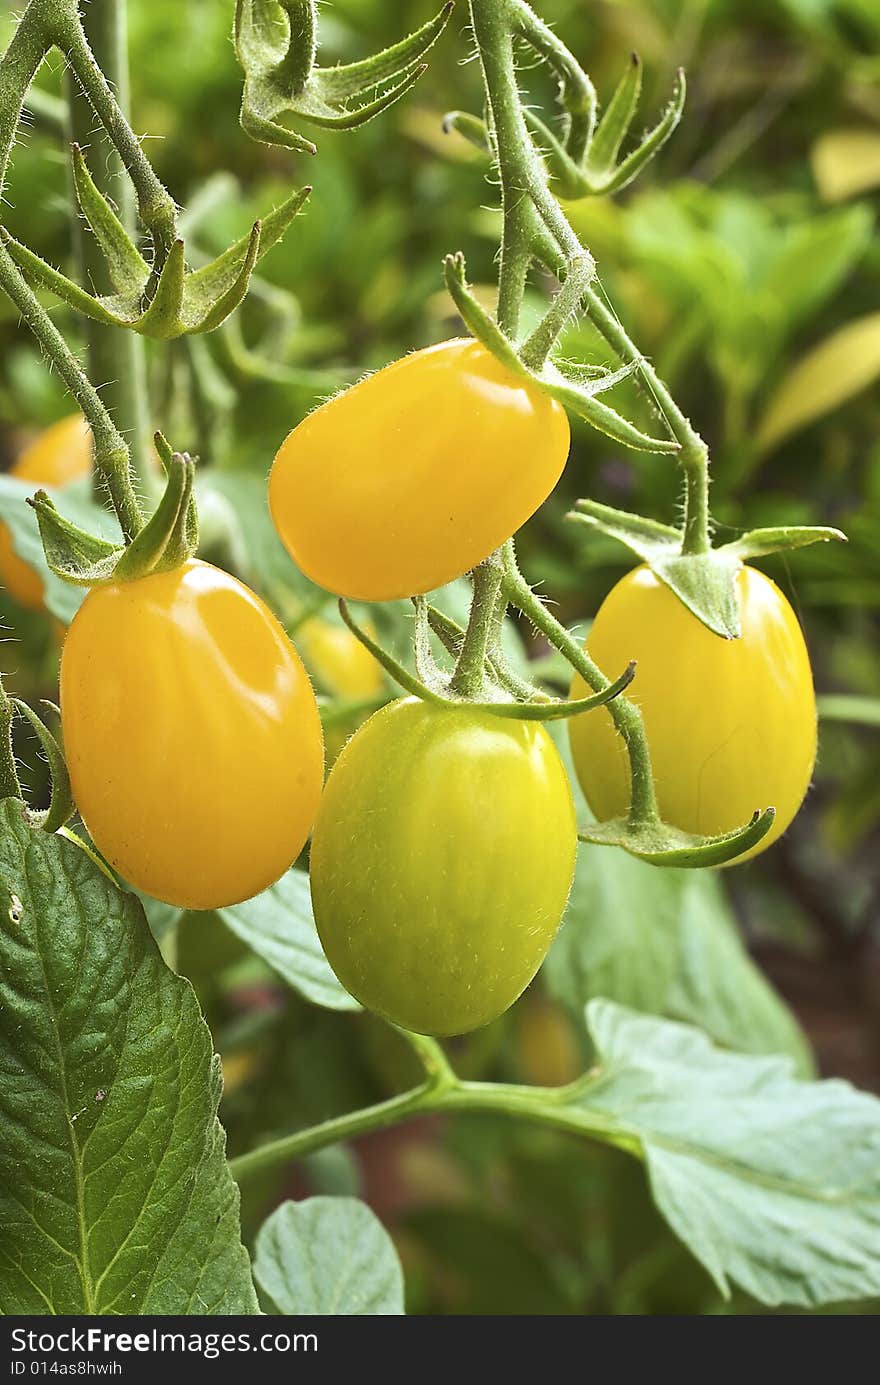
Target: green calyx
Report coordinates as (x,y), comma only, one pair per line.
(583,161)
(165,300)
(166,541)
(704,582)
(276,43)
(577,390)
(662,845)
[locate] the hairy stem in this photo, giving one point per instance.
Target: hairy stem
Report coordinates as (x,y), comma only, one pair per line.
(9,785)
(626,715)
(469,676)
(156,207)
(117,359)
(111,452)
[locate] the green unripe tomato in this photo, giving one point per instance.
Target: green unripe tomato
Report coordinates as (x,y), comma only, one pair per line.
(441,863)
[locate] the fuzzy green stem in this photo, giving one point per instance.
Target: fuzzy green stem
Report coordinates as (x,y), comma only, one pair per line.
(111,452)
(156,207)
(9,785)
(469,677)
(546,1106)
(117,358)
(626,715)
(694,455)
(18,68)
(523,181)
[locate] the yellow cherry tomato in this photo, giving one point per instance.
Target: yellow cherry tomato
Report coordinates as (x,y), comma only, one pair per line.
(417,473)
(731,724)
(192,735)
(340,664)
(60,454)
(441,863)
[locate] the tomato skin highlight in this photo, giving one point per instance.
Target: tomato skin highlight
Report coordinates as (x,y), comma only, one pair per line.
(441,863)
(731,724)
(192,735)
(60,454)
(413,476)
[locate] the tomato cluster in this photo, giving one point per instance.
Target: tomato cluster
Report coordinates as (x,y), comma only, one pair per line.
(445,837)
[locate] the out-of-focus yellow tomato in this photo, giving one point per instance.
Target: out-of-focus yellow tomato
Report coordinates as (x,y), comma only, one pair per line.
(337,660)
(416,474)
(60,454)
(731,724)
(192,735)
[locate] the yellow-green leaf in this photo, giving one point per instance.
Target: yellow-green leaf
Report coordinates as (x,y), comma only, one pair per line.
(846,162)
(838,368)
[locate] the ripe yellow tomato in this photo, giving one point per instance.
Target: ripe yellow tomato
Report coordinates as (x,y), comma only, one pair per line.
(192,735)
(416,474)
(340,664)
(60,454)
(441,863)
(731,724)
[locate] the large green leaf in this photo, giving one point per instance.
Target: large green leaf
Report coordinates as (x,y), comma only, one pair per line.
(115,1197)
(328,1255)
(280,927)
(771,1182)
(665,942)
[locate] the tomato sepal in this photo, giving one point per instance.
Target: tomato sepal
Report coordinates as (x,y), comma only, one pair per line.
(576,393)
(758,543)
(598,171)
(167,304)
(167,540)
(283,82)
(71,552)
(704,582)
(61,805)
(662,845)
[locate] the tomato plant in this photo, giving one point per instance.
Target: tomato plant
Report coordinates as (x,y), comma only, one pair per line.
(441,863)
(731,724)
(582,1057)
(348,486)
(185,684)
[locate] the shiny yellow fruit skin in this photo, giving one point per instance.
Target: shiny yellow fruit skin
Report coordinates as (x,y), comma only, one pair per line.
(60,454)
(731,724)
(441,863)
(192,735)
(416,474)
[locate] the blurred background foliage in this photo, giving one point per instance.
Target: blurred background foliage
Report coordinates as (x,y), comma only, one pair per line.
(745,263)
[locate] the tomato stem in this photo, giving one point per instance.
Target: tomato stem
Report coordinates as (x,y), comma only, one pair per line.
(156,206)
(468,680)
(626,715)
(9,783)
(111,450)
(558,1108)
(116,358)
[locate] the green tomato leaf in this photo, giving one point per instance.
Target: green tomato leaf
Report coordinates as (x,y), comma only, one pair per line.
(833,372)
(280,927)
(674,950)
(329,1256)
(115,1196)
(771,1182)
